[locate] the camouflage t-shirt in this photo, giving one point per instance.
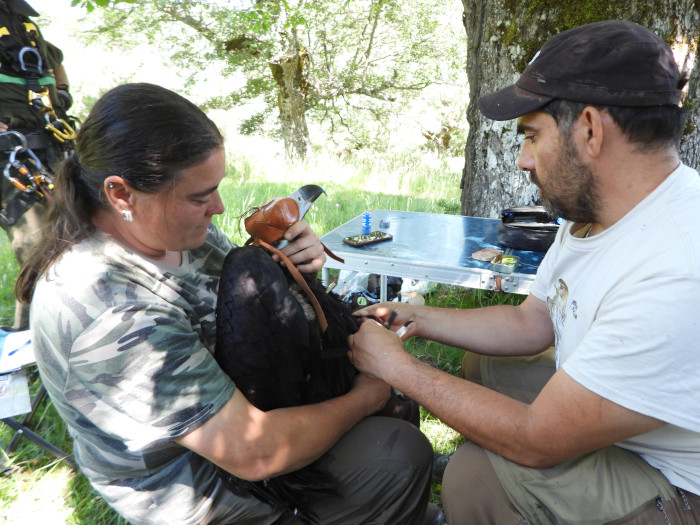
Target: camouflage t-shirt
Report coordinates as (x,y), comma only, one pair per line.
(125,349)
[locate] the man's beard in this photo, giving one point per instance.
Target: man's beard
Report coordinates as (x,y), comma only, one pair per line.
(575,197)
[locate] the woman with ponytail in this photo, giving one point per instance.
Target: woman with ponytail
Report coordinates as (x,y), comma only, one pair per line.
(123,290)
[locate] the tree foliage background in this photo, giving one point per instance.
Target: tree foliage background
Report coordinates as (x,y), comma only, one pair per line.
(338,70)
(346,73)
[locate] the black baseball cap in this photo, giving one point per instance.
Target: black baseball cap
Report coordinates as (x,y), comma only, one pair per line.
(610,63)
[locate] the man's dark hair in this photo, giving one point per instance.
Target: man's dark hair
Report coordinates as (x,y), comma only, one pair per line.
(653,127)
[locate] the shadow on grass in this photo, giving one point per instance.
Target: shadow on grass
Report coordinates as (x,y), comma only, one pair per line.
(88,507)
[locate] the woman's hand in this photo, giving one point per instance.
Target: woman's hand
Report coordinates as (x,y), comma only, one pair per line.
(304,249)
(376,392)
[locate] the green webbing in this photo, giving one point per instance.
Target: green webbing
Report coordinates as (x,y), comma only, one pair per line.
(43,81)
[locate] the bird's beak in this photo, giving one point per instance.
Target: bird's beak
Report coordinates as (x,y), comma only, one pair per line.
(305,197)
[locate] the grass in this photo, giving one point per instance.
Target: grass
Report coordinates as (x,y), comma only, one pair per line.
(41,487)
(400,182)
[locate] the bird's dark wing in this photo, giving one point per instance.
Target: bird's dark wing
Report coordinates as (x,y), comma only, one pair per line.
(263,340)
(277,358)
(331,373)
(266,344)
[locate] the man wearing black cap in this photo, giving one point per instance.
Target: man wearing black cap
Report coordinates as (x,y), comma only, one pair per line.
(605,428)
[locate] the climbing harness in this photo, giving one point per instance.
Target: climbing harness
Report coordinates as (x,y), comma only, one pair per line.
(25,61)
(27,174)
(39,95)
(24,64)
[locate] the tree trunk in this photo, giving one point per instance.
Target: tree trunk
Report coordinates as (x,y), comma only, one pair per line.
(289,73)
(503,36)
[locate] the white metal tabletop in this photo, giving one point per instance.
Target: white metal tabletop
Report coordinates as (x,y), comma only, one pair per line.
(432,247)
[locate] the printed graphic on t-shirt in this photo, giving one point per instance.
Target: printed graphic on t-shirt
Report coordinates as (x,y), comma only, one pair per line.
(556,304)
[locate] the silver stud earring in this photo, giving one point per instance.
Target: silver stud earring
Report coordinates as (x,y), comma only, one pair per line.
(128,217)
(110,185)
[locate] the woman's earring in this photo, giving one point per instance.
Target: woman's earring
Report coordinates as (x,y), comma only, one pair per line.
(128,217)
(110,185)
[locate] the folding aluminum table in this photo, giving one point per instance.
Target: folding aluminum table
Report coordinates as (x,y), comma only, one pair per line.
(432,247)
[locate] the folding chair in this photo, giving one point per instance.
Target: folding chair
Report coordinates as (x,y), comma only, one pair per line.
(22,430)
(16,354)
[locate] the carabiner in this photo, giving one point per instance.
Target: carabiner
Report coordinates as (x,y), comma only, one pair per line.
(31,50)
(12,157)
(62,135)
(34,158)
(19,136)
(22,169)
(13,180)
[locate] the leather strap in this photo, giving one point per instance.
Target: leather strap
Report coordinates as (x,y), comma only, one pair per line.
(300,281)
(332,255)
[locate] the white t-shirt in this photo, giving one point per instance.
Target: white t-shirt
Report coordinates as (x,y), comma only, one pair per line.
(625,305)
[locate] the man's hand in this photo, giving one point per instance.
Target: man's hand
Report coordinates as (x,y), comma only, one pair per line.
(374,349)
(395,316)
(3,127)
(304,249)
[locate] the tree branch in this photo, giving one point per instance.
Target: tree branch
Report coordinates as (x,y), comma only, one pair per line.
(111,27)
(375,23)
(182,15)
(376,92)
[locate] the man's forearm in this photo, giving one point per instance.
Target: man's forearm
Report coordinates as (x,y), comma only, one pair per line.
(494,330)
(484,416)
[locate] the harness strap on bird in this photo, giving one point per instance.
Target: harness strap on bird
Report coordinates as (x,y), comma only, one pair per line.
(332,255)
(300,281)
(266,226)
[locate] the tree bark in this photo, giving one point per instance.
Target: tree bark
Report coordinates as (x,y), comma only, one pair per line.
(502,37)
(288,72)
